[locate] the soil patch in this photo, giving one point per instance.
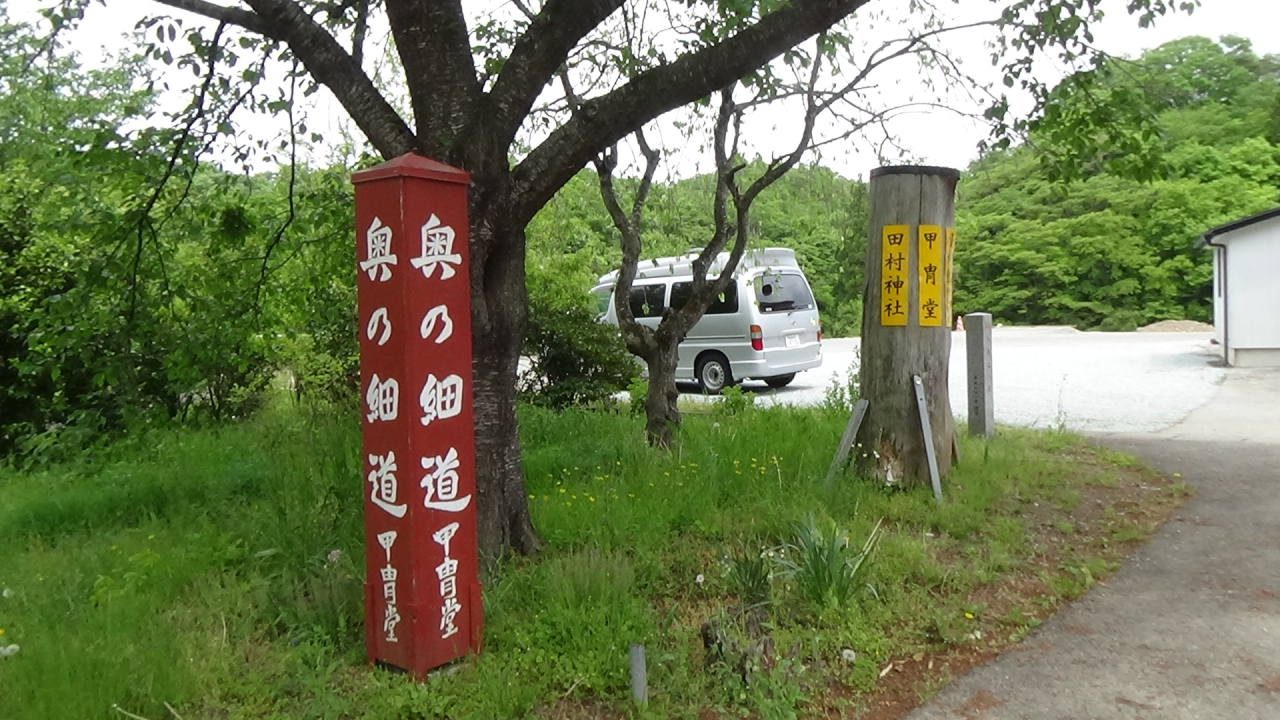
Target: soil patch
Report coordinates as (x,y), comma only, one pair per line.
(1177,326)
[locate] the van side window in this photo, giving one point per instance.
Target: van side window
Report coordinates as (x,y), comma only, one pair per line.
(725,304)
(648,300)
(783,292)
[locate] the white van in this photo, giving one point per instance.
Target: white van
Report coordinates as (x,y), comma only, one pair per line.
(764,326)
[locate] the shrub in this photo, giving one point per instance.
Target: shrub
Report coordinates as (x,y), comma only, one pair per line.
(841,397)
(573,358)
(733,401)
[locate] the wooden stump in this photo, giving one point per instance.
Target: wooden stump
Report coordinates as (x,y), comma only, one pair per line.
(906,322)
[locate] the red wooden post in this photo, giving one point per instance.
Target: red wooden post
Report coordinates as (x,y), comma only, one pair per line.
(422,592)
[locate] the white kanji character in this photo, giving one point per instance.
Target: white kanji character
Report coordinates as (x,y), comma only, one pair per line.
(390,621)
(384,489)
(447,568)
(441,483)
(439,312)
(389,592)
(448,611)
(378,255)
(449,587)
(437,250)
(441,398)
(445,534)
(386,540)
(388,573)
(379,319)
(383,399)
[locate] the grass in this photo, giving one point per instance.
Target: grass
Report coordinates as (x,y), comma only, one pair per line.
(198,568)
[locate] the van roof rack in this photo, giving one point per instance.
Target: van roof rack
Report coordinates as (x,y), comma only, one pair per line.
(682,265)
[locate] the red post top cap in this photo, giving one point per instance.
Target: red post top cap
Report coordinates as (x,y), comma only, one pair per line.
(413,165)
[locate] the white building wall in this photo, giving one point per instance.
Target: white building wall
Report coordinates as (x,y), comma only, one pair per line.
(1253,286)
(1219,307)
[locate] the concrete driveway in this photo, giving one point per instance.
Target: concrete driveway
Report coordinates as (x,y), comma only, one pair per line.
(1190,626)
(1058,377)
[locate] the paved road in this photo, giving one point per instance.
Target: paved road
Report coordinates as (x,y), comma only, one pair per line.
(1190,626)
(1053,376)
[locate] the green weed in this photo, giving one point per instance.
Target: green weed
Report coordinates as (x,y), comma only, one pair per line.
(221,570)
(823,565)
(752,574)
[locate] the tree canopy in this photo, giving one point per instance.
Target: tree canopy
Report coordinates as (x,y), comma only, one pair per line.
(1108,250)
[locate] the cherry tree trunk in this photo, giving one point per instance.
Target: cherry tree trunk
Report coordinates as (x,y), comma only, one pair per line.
(906,328)
(499,316)
(661,408)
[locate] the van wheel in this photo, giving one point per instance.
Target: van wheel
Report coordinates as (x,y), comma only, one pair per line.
(713,373)
(779,381)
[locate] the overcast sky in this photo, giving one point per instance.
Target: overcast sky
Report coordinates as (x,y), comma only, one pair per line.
(932,137)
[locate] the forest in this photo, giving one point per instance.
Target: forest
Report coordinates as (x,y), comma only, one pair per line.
(126,300)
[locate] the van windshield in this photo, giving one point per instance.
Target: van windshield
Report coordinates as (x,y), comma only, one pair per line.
(783,292)
(602,296)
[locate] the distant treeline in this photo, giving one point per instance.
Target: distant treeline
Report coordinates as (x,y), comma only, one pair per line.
(1111,250)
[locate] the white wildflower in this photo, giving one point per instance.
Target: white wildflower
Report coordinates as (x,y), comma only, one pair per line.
(700,579)
(848,655)
(8,593)
(334,556)
(8,651)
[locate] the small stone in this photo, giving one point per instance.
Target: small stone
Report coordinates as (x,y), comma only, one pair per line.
(848,655)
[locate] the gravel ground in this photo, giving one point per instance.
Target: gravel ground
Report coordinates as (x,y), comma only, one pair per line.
(1055,376)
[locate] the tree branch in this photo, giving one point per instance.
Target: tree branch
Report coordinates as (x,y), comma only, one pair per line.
(435,51)
(359,31)
(197,112)
(607,119)
(639,338)
(324,58)
(542,49)
(240,17)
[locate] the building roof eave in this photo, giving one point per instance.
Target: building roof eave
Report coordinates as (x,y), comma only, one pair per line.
(1209,235)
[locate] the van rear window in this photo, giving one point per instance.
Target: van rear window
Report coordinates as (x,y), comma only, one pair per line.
(783,292)
(725,304)
(648,300)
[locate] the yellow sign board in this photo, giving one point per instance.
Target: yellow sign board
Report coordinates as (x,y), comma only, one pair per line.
(930,273)
(895,257)
(949,265)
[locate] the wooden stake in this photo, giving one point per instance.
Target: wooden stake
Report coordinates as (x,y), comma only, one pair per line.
(928,438)
(846,441)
